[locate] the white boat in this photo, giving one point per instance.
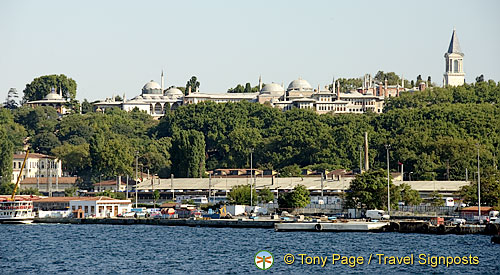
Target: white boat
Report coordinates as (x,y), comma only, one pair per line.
(16,212)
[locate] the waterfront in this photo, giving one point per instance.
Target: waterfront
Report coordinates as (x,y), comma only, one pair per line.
(69,248)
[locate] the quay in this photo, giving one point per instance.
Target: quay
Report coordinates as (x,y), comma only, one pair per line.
(401,226)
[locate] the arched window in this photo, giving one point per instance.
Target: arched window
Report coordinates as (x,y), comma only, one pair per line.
(455,66)
(158,109)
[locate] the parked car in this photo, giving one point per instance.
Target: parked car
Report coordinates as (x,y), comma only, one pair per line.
(377,215)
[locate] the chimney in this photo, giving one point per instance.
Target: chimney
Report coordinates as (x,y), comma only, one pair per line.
(189,89)
(367,167)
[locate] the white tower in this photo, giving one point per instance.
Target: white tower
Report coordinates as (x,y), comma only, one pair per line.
(162,83)
(454,74)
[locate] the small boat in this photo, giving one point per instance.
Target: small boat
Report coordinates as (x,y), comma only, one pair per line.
(16,212)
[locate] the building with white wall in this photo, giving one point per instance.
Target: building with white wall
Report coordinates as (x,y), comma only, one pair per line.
(101,207)
(37,165)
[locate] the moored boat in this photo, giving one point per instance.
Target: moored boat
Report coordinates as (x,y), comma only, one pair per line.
(17,211)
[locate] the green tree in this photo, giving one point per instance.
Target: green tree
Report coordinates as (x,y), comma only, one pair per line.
(299,197)
(6,155)
(490,191)
(409,196)
(290,171)
(193,83)
(41,86)
(11,102)
(70,191)
(369,190)
(87,107)
(240,194)
(75,158)
(156,197)
(30,191)
(188,154)
(436,199)
(111,155)
(265,195)
(44,142)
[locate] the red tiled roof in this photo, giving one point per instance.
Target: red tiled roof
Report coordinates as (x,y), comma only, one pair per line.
(20,198)
(106,183)
(474,208)
(32,155)
(44,180)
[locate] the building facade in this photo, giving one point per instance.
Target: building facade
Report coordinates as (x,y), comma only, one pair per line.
(37,166)
(53,99)
(101,207)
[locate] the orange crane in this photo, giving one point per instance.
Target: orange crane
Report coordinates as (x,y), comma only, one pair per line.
(12,198)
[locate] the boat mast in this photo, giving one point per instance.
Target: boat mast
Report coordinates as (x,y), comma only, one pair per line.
(20,175)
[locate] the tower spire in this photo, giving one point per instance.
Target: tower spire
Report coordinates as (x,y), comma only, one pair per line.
(260,83)
(162,82)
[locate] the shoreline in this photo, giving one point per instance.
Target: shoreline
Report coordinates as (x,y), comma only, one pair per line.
(400,226)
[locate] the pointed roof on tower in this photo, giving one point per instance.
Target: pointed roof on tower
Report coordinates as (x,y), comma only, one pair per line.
(454,45)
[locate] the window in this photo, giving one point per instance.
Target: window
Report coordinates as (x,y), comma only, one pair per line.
(455,66)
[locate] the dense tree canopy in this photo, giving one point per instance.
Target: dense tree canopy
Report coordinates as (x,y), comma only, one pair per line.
(429,131)
(369,190)
(41,86)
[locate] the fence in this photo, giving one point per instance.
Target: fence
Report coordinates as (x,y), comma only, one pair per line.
(426,210)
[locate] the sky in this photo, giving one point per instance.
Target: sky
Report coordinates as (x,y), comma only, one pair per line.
(115,47)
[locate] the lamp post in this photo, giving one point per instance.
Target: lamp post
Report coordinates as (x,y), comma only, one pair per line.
(478,185)
(136,164)
(387,147)
(251,177)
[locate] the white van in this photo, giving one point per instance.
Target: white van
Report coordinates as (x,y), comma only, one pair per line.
(377,215)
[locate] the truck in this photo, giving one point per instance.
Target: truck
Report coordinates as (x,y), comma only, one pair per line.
(376,215)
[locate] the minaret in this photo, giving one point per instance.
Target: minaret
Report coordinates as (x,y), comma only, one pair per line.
(333,85)
(338,90)
(260,83)
(454,72)
(162,82)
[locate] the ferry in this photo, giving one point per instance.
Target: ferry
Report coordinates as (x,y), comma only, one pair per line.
(16,212)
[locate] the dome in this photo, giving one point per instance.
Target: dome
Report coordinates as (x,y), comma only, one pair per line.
(53,96)
(300,85)
(174,92)
(273,89)
(151,85)
(151,88)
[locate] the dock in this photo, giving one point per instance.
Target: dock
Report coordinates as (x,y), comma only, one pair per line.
(355,226)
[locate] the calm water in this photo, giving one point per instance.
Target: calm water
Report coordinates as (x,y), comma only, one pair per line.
(62,248)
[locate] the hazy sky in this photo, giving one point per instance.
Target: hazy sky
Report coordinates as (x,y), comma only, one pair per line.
(115,47)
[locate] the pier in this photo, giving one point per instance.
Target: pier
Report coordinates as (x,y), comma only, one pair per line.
(401,226)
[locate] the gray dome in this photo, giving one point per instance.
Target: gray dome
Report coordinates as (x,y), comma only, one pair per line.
(174,92)
(151,88)
(53,96)
(300,85)
(273,89)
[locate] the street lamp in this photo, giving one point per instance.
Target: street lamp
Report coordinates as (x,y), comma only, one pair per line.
(251,177)
(478,185)
(387,147)
(136,164)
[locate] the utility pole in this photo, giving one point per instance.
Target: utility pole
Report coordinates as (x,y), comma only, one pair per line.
(387,147)
(360,158)
(322,186)
(172,186)
(209,187)
(251,177)
(448,169)
(127,187)
(478,185)
(136,178)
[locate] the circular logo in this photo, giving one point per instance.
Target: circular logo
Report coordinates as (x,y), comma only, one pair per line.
(264,259)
